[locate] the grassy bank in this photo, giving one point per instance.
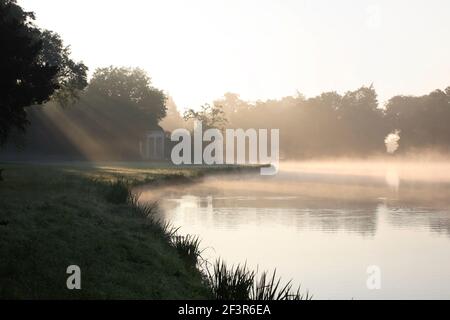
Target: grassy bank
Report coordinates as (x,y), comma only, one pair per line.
(55,216)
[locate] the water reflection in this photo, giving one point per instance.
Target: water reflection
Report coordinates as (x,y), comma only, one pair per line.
(232,213)
(324,229)
(236,212)
(433,220)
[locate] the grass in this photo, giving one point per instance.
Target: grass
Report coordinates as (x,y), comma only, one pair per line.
(233,283)
(270,288)
(240,283)
(188,247)
(53,217)
(118,191)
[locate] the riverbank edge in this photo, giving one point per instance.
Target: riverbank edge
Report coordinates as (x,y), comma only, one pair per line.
(58,208)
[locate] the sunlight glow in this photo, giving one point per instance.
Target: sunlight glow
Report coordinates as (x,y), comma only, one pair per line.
(198,50)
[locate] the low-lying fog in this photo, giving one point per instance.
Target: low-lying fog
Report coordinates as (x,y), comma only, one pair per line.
(356,180)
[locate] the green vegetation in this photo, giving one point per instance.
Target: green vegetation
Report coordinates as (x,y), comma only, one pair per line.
(188,247)
(35,68)
(53,216)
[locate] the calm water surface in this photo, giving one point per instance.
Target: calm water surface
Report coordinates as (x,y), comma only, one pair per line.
(323,225)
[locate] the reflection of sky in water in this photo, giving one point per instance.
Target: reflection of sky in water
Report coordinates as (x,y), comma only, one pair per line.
(322,233)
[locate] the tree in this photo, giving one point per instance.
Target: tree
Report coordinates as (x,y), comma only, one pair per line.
(423,121)
(130,88)
(362,124)
(211,116)
(34,65)
(173,119)
(71,76)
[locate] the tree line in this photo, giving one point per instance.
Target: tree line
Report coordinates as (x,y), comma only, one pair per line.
(48,108)
(333,124)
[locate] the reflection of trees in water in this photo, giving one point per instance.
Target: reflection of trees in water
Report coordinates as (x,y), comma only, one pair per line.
(362,221)
(440,225)
(239,204)
(233,212)
(305,213)
(436,221)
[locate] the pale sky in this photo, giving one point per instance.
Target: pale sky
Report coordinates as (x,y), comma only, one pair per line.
(197,50)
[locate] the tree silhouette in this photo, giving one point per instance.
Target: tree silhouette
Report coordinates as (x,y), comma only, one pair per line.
(34,65)
(423,121)
(211,116)
(131,88)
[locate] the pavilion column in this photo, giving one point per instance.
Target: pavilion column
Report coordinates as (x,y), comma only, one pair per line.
(148,146)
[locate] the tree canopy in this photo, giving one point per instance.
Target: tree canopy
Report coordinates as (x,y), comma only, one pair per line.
(211,116)
(34,66)
(130,88)
(107,122)
(333,124)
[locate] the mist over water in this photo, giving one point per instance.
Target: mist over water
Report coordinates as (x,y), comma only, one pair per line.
(323,223)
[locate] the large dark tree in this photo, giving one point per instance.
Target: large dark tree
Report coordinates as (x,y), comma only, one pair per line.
(130,89)
(34,66)
(361,122)
(108,121)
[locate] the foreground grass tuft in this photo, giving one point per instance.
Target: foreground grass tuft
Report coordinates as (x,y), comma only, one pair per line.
(233,283)
(188,247)
(240,283)
(270,288)
(118,191)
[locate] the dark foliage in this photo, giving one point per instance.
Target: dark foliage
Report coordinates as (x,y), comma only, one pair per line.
(34,65)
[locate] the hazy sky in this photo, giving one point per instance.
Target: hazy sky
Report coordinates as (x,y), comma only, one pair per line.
(197,50)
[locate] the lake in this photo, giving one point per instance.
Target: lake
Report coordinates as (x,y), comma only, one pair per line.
(323,224)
